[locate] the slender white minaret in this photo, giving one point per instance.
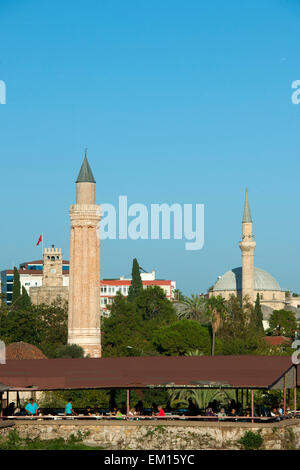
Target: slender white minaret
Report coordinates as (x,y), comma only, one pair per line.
(247,246)
(84,286)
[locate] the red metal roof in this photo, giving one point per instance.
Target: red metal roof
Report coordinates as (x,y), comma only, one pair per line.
(277,340)
(140,372)
(127,282)
(34,272)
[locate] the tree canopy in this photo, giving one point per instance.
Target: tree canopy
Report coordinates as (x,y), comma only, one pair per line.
(129,329)
(283,322)
(182,337)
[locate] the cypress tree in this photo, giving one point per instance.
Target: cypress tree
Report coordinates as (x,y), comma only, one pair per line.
(258,315)
(136,282)
(24,302)
(16,286)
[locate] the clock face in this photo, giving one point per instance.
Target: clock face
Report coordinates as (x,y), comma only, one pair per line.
(53,271)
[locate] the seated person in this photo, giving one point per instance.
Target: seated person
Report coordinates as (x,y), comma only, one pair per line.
(10,411)
(132,412)
(221,414)
(89,411)
(123,408)
(209,411)
(233,412)
(31,408)
(119,414)
(274,412)
(114,412)
(160,411)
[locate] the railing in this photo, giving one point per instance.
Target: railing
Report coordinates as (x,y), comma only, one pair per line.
(169,417)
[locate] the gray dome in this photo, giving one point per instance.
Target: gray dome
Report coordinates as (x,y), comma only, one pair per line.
(232,280)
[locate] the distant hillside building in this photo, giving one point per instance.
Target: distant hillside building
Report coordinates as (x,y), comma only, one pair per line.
(110,287)
(47,279)
(33,277)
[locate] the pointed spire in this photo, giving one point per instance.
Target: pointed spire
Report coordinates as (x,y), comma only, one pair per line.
(247,212)
(85,174)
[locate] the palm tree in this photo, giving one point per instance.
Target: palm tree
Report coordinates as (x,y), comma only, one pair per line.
(200,397)
(194,352)
(192,308)
(215,313)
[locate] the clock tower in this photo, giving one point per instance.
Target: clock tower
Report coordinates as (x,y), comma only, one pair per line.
(52,267)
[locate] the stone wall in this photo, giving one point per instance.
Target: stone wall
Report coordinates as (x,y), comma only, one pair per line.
(155,435)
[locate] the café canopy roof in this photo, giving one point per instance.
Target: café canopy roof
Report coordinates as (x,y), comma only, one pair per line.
(142,372)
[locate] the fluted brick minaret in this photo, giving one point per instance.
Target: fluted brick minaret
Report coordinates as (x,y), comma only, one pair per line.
(84,287)
(247,246)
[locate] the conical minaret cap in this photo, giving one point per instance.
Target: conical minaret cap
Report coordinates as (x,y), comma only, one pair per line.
(85,174)
(247,213)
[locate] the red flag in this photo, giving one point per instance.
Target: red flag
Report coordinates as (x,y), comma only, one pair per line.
(39,240)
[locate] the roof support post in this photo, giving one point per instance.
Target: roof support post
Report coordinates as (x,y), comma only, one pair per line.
(284,394)
(252,405)
(1,406)
(128,401)
(295,389)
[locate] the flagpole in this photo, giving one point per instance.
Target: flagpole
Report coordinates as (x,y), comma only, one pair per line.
(42,246)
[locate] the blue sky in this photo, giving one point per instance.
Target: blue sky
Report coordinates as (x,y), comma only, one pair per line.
(177,101)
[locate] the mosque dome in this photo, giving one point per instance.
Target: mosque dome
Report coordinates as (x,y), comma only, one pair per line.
(232,281)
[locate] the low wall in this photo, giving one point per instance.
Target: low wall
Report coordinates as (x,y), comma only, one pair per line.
(156,435)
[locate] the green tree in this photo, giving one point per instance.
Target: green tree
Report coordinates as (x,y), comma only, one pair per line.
(154,307)
(24,301)
(16,293)
(215,313)
(123,330)
(53,322)
(80,398)
(183,336)
(129,329)
(283,322)
(200,398)
(136,282)
(192,308)
(23,326)
(178,295)
(69,351)
(258,315)
(238,334)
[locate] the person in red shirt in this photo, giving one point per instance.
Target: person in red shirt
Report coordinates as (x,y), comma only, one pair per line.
(160,411)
